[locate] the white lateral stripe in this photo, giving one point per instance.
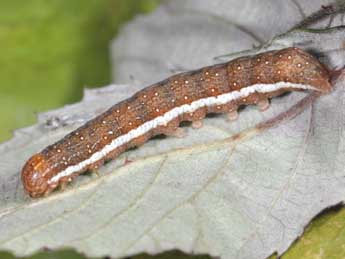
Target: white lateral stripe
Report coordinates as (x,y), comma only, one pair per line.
(173,113)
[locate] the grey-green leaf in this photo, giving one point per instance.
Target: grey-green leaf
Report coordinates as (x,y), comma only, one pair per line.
(243,197)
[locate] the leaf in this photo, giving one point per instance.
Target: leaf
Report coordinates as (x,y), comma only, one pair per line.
(233,190)
(324,238)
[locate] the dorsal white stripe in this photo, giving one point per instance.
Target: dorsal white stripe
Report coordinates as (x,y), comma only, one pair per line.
(173,113)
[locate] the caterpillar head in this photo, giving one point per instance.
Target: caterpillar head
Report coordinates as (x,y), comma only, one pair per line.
(35,175)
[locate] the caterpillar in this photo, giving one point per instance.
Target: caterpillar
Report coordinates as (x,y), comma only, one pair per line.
(159,109)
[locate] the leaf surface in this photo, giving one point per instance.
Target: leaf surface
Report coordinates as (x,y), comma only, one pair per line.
(232,190)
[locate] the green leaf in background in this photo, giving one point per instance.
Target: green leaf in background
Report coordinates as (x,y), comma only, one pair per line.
(323,238)
(50,50)
(70,254)
(66,254)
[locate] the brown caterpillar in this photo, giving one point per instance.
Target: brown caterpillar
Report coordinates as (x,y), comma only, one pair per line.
(159,109)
